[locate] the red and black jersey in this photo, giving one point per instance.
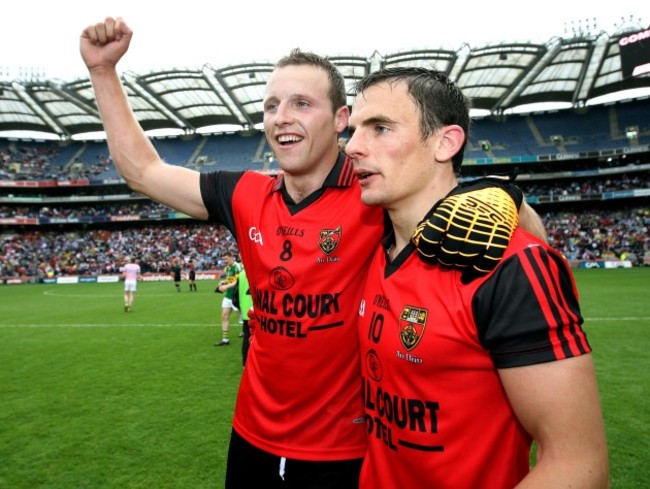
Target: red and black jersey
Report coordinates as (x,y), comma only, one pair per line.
(300,394)
(437,413)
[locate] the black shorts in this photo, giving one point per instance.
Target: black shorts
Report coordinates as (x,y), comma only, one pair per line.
(250,467)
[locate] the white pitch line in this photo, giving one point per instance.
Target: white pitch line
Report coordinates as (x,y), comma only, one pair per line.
(117,294)
(101,325)
(642,318)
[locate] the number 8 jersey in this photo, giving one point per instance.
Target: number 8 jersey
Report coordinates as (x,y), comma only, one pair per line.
(300,394)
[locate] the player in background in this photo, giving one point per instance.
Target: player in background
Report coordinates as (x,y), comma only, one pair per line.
(177,274)
(245,305)
(131,274)
(227,286)
(192,277)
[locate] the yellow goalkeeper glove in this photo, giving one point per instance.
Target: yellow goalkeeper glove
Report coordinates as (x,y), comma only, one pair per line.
(471,227)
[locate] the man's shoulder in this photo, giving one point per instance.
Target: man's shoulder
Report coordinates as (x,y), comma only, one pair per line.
(255,184)
(257,178)
(522,239)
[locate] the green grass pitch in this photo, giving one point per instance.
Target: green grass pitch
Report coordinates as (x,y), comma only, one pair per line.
(93,397)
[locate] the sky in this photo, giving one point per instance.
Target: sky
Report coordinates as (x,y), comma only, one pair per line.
(42,36)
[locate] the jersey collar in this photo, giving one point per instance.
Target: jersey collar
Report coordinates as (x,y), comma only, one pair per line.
(342,175)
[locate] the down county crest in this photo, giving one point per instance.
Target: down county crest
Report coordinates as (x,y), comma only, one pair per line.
(412,322)
(329,240)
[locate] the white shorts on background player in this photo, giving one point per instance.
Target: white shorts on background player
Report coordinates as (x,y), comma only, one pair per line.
(228,303)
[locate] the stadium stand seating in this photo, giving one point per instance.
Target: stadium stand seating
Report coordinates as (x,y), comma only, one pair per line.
(177,151)
(581,170)
(233,152)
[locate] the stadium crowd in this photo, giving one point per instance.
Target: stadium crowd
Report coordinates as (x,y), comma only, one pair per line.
(595,234)
(26,162)
(39,253)
(36,163)
(135,208)
(42,163)
(587,234)
(585,186)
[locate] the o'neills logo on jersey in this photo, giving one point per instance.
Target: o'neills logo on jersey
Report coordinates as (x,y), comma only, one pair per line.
(412,322)
(329,240)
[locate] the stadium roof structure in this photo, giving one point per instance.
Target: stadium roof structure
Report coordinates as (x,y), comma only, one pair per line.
(498,78)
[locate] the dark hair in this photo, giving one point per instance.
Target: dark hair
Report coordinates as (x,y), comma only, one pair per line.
(440,101)
(337,93)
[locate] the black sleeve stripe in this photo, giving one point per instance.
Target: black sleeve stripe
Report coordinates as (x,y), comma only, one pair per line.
(527,312)
(567,294)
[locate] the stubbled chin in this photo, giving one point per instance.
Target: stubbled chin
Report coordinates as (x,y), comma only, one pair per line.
(368,198)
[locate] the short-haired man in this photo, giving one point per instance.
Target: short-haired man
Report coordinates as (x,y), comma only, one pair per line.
(459,378)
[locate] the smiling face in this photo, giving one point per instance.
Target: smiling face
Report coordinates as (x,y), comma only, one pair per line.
(300,124)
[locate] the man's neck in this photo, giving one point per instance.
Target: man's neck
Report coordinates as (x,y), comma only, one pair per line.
(301,186)
(406,216)
(300,192)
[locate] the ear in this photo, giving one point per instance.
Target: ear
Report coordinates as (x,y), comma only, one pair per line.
(342,118)
(451,138)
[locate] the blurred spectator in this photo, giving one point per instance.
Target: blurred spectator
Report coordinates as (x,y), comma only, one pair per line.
(100,251)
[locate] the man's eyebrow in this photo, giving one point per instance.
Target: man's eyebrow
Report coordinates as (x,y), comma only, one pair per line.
(291,96)
(300,96)
(377,119)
